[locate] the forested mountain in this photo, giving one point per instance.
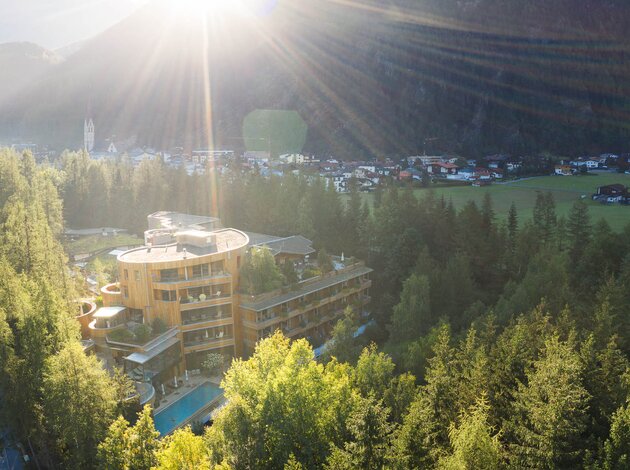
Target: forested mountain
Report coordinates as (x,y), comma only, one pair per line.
(397,76)
(21,64)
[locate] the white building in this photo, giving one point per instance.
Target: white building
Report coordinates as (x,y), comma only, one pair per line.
(88,135)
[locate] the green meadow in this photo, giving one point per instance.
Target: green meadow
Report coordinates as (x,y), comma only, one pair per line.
(566,189)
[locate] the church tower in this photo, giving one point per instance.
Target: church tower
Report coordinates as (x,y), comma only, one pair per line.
(88,134)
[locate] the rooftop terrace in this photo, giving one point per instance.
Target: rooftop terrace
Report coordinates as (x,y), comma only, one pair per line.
(224,240)
(271,299)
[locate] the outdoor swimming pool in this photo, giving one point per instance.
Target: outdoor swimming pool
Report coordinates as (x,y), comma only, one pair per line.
(178,412)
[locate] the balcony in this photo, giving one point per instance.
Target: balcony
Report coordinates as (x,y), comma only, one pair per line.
(205,319)
(311,286)
(111,294)
(170,280)
(126,336)
(203,298)
(219,342)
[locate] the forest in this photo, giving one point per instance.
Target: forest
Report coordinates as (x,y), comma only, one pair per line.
(496,344)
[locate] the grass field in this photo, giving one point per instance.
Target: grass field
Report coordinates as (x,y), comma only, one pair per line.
(97,242)
(566,189)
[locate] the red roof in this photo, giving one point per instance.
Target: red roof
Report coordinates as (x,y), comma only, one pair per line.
(450,166)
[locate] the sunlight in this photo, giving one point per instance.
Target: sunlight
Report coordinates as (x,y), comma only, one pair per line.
(203,7)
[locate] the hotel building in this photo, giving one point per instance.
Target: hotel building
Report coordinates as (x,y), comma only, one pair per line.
(178,298)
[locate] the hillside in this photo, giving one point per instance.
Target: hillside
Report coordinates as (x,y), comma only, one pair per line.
(21,64)
(368,78)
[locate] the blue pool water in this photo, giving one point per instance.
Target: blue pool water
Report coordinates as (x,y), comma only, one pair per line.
(178,412)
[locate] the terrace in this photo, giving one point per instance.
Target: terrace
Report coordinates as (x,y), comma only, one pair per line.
(206,314)
(306,291)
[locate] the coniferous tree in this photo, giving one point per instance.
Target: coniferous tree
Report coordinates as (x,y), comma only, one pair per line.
(472,442)
(370,433)
(578,230)
(78,404)
(550,411)
(412,316)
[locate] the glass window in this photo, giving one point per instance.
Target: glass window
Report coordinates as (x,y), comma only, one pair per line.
(126,274)
(167,275)
(137,275)
(200,270)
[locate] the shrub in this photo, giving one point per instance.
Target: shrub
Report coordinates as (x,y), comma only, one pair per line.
(212,363)
(123,335)
(159,326)
(259,272)
(324,261)
(310,271)
(143,332)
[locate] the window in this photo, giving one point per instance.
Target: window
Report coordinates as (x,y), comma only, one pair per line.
(126,292)
(201,270)
(165,295)
(126,274)
(167,275)
(217,267)
(137,275)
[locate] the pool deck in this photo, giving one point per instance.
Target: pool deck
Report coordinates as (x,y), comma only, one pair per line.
(202,413)
(183,390)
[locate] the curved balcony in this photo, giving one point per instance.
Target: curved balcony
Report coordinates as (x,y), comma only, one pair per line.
(111,294)
(145,393)
(86,310)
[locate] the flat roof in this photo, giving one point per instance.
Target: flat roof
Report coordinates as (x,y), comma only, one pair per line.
(174,220)
(313,287)
(226,240)
(144,357)
(108,312)
(294,244)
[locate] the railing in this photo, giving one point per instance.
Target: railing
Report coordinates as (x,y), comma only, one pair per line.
(112,289)
(148,344)
(174,279)
(205,319)
(302,284)
(209,340)
(111,327)
(207,298)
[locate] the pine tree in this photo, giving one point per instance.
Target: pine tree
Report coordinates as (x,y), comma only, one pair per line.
(578,230)
(370,430)
(550,411)
(616,452)
(512,226)
(412,316)
(472,442)
(79,404)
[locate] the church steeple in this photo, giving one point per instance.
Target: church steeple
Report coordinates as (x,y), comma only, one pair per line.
(88,131)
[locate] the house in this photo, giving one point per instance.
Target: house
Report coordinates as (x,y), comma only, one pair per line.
(410,174)
(423,159)
(466,173)
(496,161)
(339,181)
(482,174)
(563,170)
(513,166)
(611,193)
(442,169)
(497,173)
(588,163)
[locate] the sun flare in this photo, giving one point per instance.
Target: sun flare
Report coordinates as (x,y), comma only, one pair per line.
(203,7)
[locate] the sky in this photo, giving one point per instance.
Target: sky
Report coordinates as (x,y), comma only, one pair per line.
(57,23)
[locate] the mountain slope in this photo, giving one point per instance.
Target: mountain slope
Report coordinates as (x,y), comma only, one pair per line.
(367,77)
(21,63)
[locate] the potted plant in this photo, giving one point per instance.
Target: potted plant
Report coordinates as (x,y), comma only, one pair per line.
(202,297)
